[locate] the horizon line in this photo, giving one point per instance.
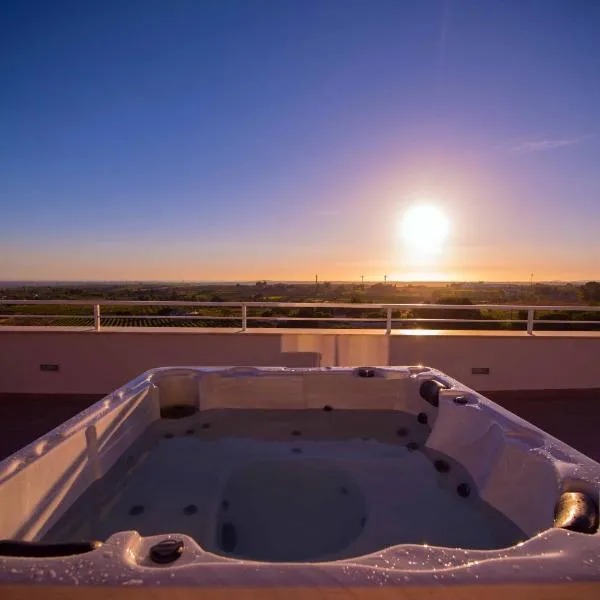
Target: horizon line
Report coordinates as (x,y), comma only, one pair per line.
(289,281)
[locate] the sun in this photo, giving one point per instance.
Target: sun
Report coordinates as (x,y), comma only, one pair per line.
(424,228)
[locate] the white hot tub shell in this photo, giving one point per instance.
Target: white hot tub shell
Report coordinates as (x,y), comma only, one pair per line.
(365,476)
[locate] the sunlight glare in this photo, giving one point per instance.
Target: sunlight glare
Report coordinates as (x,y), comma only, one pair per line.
(424,228)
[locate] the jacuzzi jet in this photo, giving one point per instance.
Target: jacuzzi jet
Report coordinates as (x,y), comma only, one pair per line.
(463,490)
(366,372)
(461,400)
(441,466)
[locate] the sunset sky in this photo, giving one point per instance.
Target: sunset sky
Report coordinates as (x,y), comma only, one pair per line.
(254,139)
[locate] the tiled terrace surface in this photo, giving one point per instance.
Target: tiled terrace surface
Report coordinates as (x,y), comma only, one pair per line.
(573,416)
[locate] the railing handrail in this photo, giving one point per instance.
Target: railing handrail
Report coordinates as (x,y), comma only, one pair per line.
(354,305)
(388,316)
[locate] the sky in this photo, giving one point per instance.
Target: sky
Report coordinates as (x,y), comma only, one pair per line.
(276,139)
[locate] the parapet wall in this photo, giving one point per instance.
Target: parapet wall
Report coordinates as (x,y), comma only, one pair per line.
(65,361)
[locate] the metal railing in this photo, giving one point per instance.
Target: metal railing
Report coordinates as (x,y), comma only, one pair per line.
(387,315)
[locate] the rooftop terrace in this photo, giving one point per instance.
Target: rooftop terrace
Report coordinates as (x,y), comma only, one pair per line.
(550,377)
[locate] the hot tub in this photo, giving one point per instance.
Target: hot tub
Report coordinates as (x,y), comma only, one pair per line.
(254,476)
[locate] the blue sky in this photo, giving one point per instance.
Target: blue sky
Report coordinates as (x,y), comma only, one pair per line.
(275,139)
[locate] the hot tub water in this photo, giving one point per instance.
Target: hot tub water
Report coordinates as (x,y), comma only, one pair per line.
(289,486)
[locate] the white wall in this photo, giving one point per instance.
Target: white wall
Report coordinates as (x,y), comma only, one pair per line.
(515,362)
(98,362)
(518,362)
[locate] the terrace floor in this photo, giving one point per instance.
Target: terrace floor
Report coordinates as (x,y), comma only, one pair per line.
(25,417)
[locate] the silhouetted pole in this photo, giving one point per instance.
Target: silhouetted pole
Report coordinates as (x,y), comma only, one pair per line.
(362,282)
(385,279)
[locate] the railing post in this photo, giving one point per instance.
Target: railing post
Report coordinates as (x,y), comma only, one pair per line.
(97,317)
(388,322)
(244,317)
(530,315)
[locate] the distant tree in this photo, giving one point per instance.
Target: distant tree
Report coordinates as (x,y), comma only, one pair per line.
(447,313)
(590,291)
